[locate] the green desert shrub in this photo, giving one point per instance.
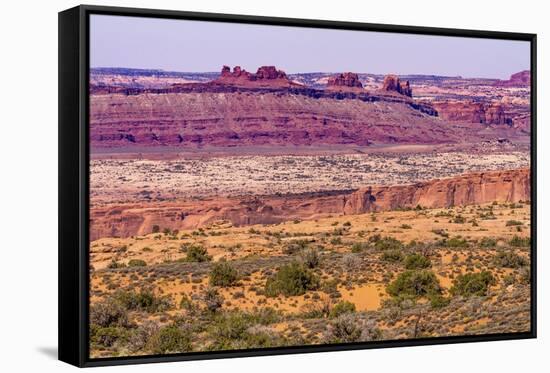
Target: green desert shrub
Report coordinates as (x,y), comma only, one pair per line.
(414,283)
(341,308)
(291,279)
(439,301)
(487,242)
(388,243)
(108,336)
(136,263)
(392,256)
(240,329)
(155,229)
(223,274)
(517,241)
(145,300)
(357,247)
(509,259)
(513,223)
(170,339)
(197,253)
(108,313)
(417,261)
(471,284)
(454,242)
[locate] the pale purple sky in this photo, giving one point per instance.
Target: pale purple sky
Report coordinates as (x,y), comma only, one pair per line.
(197,46)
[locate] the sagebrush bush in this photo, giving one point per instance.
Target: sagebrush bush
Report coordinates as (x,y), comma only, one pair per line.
(454,242)
(387,243)
(108,336)
(392,256)
(341,308)
(509,259)
(487,242)
(295,246)
(517,241)
(213,299)
(439,301)
(197,253)
(310,258)
(170,339)
(108,313)
(240,329)
(471,284)
(414,283)
(417,261)
(136,263)
(223,274)
(145,300)
(291,279)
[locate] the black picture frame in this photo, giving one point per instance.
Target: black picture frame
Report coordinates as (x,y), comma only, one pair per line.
(73,166)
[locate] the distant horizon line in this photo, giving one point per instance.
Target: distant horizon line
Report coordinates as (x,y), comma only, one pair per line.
(302,72)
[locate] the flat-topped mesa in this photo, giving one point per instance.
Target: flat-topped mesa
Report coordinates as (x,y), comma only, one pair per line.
(266,76)
(344,81)
(392,83)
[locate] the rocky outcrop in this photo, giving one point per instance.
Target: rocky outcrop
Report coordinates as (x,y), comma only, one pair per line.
(392,83)
(343,81)
(266,76)
(476,188)
(473,112)
(521,79)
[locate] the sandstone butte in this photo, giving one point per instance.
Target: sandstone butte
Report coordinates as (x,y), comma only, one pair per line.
(475,188)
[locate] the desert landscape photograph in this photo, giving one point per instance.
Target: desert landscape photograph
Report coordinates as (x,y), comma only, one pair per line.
(256,186)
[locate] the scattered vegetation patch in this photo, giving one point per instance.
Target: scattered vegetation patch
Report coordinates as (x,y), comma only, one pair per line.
(471,284)
(145,300)
(170,339)
(509,259)
(517,241)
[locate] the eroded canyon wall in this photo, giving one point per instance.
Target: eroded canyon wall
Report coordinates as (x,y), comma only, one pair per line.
(476,188)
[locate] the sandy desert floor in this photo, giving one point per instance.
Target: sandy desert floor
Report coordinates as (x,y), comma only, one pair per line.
(388,275)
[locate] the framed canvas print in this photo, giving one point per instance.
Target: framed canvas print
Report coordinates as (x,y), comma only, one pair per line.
(235,186)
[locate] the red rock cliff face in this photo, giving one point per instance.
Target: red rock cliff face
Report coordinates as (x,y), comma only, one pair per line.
(472,112)
(476,188)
